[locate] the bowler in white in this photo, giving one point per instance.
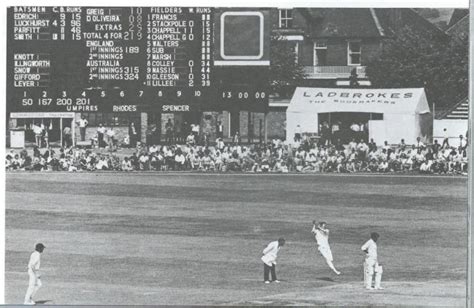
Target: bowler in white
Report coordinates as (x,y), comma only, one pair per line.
(33,271)
(269,259)
(321,234)
(371,264)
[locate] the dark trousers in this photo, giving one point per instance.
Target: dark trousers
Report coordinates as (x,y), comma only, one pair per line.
(267,269)
(100,139)
(83,133)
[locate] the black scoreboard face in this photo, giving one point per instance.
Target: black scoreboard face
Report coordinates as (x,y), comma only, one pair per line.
(119,59)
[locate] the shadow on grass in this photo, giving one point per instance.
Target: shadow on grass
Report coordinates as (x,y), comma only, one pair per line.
(42,302)
(325,279)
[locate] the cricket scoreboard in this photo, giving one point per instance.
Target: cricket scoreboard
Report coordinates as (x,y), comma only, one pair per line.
(133,59)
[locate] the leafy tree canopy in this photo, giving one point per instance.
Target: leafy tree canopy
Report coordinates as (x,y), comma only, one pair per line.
(412,60)
(285,72)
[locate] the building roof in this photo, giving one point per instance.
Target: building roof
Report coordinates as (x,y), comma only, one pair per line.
(459,111)
(461,26)
(337,22)
(457,15)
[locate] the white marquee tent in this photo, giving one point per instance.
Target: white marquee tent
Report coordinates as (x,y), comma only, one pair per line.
(406,113)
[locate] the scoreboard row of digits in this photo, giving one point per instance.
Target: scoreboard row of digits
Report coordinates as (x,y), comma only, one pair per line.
(78,56)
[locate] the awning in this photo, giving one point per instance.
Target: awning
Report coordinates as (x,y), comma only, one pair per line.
(387,101)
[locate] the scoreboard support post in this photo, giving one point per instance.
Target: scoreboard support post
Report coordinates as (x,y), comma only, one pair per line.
(265,127)
(61,131)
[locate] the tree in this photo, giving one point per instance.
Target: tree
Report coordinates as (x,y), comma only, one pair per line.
(285,72)
(412,59)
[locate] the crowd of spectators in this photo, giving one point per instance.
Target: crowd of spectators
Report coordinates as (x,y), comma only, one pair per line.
(276,156)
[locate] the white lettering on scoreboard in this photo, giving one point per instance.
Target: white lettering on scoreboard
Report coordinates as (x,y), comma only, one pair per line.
(175,108)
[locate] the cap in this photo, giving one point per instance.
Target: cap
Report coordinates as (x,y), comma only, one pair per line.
(40,245)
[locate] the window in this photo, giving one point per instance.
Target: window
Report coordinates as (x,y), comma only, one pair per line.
(320,52)
(286,18)
(354,53)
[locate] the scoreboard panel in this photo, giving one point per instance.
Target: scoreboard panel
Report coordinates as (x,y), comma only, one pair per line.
(124,59)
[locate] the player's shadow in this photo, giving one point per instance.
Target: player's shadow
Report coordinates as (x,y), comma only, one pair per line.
(42,302)
(325,279)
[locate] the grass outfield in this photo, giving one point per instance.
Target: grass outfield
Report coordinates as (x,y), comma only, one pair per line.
(149,238)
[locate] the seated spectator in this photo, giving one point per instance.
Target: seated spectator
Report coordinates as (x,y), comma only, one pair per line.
(127,164)
(180,160)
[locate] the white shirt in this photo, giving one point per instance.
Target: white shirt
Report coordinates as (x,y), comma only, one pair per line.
(355,127)
(37,130)
(371,248)
(322,238)
(35,261)
(110,133)
(270,253)
(101,130)
(83,123)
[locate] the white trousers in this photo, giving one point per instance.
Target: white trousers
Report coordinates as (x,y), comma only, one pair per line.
(371,266)
(33,285)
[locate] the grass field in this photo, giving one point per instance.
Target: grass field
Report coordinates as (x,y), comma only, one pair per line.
(148,238)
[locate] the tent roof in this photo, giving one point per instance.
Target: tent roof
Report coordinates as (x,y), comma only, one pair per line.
(389,101)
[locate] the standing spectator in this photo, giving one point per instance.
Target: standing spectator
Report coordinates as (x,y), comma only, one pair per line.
(355,128)
(46,136)
(132,132)
(362,131)
(325,134)
(67,137)
(372,145)
(34,274)
(169,132)
(402,145)
(111,138)
(436,146)
(371,264)
(236,138)
(38,131)
(462,143)
(269,259)
(419,143)
(184,131)
(101,130)
(220,130)
(445,138)
(220,144)
(298,133)
(177,132)
(362,150)
(195,131)
(335,131)
(82,127)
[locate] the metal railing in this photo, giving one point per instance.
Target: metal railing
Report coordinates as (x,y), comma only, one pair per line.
(327,72)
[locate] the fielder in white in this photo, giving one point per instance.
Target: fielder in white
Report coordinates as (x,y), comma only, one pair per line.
(321,234)
(371,264)
(33,271)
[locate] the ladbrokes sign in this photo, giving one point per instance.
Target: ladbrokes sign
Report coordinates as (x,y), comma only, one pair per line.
(359,100)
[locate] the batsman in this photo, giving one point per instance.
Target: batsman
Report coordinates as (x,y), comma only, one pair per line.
(371,264)
(321,234)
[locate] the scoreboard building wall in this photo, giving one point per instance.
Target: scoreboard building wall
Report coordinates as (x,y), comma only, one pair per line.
(136,64)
